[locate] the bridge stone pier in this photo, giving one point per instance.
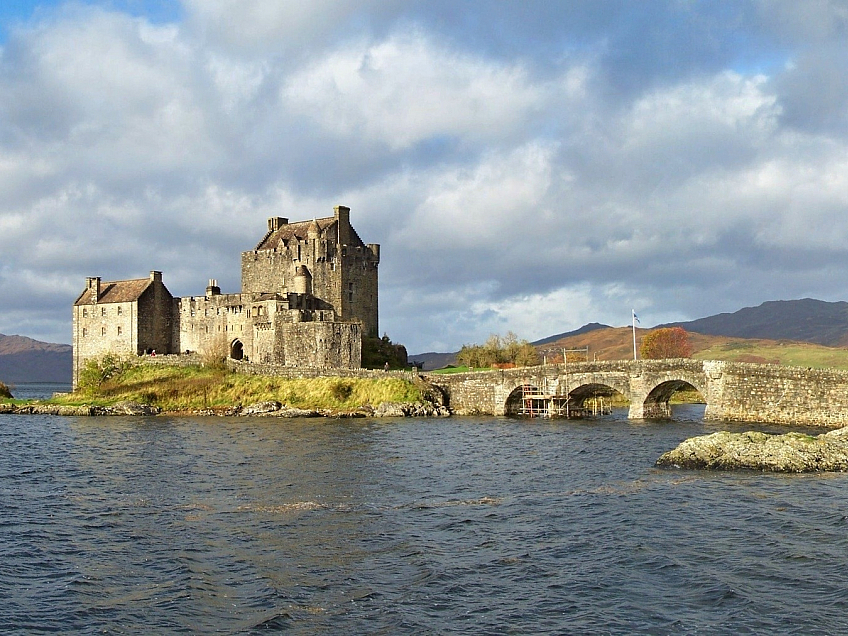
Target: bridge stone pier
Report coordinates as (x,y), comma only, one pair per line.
(732,391)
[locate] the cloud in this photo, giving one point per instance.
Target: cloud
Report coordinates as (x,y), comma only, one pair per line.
(404,90)
(523,170)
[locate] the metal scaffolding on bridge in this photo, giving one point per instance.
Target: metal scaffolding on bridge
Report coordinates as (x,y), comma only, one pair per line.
(536,402)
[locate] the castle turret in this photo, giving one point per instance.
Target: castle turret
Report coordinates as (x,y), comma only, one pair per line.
(302,280)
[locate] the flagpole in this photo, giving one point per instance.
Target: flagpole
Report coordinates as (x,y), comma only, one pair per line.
(633,311)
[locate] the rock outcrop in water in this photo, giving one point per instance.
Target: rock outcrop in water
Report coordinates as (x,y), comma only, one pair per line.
(411,409)
(121,408)
(788,453)
(259,409)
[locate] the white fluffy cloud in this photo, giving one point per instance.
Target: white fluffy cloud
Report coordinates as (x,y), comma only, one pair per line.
(522,172)
(405,90)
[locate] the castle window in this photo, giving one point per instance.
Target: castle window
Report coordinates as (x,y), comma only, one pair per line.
(120,331)
(84,312)
(102,311)
(120,310)
(84,332)
(102,331)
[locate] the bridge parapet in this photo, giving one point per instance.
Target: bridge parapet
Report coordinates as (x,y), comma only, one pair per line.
(732,390)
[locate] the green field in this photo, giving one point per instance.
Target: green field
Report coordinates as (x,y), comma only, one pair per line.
(786,353)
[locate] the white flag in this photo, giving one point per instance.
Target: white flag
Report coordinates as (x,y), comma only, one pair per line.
(635,317)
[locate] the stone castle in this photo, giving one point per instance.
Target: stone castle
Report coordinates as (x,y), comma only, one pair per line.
(308,295)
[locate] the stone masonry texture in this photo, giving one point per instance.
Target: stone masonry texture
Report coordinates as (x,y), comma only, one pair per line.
(309,294)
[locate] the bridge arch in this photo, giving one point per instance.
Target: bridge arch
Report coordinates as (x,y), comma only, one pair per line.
(520,401)
(593,392)
(529,400)
(656,402)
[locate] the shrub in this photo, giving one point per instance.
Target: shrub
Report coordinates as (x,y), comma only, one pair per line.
(98,370)
(214,354)
(341,390)
(376,352)
(5,391)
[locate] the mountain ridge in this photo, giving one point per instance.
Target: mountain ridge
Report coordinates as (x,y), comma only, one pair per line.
(24,359)
(805,320)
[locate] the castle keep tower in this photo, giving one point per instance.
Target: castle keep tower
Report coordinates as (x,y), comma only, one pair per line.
(309,294)
(324,255)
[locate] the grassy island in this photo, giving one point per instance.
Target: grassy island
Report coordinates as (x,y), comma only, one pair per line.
(196,388)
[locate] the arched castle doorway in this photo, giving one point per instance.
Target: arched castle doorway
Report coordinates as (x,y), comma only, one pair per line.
(237,350)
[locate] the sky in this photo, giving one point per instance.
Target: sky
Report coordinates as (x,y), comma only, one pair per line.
(526,166)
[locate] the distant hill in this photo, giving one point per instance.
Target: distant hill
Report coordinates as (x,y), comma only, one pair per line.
(806,320)
(592,326)
(432,360)
(23,359)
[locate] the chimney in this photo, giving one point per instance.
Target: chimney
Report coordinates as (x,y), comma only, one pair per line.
(342,214)
(212,288)
(375,250)
(155,276)
(93,286)
(276,222)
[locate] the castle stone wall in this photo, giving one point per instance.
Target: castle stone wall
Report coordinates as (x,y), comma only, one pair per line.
(154,318)
(322,344)
(212,322)
(101,329)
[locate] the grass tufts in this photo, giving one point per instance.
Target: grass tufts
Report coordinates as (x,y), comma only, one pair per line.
(190,388)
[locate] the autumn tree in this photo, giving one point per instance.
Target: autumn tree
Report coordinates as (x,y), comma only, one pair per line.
(474,356)
(668,342)
(499,350)
(526,355)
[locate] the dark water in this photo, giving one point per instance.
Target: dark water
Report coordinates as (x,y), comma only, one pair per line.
(38,390)
(468,525)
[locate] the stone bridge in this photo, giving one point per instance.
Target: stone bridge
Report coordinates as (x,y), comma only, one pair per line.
(733,391)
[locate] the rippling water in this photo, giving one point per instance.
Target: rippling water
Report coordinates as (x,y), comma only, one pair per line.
(466,525)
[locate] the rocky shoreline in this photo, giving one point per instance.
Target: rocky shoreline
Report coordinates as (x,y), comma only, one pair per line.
(260,409)
(787,453)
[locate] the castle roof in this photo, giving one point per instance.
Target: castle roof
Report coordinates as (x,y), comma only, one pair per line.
(118,291)
(289,231)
